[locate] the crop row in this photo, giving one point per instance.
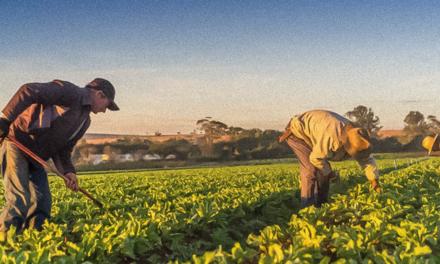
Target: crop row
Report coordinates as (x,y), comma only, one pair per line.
(166,215)
(401,225)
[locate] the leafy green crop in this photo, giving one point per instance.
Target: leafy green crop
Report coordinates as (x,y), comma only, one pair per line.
(236,214)
(399,226)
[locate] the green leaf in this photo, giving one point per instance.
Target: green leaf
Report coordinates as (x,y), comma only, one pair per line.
(420,251)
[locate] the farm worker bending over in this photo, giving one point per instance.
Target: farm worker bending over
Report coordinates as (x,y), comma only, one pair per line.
(49,119)
(319,136)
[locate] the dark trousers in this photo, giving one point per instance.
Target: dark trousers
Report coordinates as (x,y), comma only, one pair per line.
(314,185)
(27,193)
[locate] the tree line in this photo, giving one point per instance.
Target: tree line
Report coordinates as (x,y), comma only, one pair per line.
(218,141)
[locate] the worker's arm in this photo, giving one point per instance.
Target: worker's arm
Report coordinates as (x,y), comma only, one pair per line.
(63,160)
(64,165)
(371,171)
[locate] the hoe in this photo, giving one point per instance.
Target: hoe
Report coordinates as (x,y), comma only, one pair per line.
(51,168)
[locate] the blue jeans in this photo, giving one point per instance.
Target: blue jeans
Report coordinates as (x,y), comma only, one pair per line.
(27,192)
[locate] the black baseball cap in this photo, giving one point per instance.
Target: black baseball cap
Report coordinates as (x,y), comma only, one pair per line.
(107,88)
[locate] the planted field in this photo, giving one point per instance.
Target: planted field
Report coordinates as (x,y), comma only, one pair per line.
(238,214)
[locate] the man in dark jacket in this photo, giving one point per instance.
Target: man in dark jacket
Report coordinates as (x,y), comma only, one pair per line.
(49,119)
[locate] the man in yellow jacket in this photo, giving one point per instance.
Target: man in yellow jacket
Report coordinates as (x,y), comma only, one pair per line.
(317,137)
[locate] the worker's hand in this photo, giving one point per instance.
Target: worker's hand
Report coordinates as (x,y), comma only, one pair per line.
(4,127)
(375,185)
(71,181)
(333,176)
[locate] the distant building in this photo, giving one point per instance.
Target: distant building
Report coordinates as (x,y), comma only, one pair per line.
(124,157)
(96,159)
(171,157)
(148,157)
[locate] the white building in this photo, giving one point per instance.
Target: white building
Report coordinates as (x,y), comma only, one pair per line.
(151,157)
(124,157)
(96,159)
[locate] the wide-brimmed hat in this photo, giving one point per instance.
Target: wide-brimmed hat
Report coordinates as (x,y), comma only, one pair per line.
(431,143)
(358,144)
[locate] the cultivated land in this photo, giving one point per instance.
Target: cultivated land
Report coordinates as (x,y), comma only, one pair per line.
(246,214)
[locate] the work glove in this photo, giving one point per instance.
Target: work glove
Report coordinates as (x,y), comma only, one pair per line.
(4,128)
(375,185)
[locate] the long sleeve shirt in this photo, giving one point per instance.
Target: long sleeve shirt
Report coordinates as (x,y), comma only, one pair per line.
(324,132)
(50,118)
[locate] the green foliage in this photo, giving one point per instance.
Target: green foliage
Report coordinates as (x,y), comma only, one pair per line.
(399,226)
(415,124)
(246,214)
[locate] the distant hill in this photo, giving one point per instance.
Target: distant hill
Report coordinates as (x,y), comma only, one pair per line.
(390,133)
(95,138)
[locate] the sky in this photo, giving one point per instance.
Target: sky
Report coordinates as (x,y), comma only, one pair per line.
(252,64)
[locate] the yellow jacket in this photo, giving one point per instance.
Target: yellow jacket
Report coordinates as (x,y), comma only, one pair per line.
(324,132)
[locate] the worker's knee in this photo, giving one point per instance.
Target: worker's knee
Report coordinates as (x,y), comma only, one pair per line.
(308,173)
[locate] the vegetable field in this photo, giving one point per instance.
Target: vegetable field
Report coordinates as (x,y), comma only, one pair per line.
(245,214)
